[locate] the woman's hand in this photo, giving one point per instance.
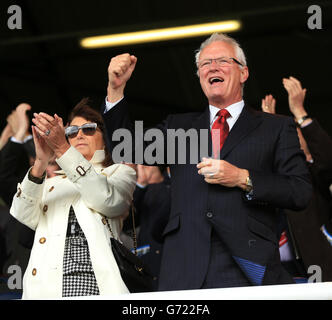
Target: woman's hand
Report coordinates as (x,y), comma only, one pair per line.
(51,129)
(43,154)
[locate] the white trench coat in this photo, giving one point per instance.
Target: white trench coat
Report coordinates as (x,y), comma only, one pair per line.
(95,193)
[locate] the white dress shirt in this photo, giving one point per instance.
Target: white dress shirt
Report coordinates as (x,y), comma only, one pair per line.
(110,105)
(234,110)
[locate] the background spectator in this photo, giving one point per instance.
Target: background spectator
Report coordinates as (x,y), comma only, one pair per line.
(303,243)
(17,155)
(152,203)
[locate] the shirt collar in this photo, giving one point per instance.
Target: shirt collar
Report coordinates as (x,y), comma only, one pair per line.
(234,110)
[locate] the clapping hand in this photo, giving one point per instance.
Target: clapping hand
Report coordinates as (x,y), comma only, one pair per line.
(296,96)
(52,132)
(19,121)
(43,152)
(269,104)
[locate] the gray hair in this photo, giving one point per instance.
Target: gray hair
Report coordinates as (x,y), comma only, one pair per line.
(239,54)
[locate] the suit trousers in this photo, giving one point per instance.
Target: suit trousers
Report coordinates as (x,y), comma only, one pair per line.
(223,271)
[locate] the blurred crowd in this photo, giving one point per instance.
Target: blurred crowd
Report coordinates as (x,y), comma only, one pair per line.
(17,154)
(305,237)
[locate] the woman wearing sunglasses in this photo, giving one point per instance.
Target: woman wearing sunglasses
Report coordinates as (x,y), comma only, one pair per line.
(71,254)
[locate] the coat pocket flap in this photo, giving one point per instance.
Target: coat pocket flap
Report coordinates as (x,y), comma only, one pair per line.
(261,230)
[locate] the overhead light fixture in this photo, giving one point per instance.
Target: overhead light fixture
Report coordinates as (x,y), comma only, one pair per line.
(164,34)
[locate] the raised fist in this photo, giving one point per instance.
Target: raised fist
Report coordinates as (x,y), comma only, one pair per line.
(120,69)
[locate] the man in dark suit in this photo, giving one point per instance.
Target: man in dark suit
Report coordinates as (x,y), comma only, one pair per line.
(221,230)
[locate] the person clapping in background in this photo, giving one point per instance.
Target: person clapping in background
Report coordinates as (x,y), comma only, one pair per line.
(304,237)
(16,156)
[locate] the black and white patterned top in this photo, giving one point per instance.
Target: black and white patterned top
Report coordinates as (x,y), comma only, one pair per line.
(78,275)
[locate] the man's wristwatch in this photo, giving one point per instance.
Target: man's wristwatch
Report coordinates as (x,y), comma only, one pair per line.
(248,186)
(301,120)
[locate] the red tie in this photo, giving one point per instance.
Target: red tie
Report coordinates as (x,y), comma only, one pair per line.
(219,130)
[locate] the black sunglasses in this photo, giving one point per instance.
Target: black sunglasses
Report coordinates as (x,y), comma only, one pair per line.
(88,129)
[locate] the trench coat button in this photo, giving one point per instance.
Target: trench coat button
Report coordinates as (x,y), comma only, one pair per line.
(42,240)
(51,189)
(45,208)
(104,221)
(209,214)
(18,192)
(34,271)
(157,251)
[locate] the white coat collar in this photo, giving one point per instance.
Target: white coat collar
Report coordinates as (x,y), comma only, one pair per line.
(97,158)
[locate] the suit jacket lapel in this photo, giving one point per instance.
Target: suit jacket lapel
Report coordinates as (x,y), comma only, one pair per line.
(247,121)
(203,122)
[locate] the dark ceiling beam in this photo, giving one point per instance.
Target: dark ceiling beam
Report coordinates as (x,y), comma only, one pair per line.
(50,64)
(126,28)
(7,104)
(182,78)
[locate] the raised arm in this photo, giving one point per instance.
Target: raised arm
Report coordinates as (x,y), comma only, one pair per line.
(120,70)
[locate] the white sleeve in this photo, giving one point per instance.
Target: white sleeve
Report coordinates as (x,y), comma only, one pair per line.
(110,105)
(109,192)
(25,206)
